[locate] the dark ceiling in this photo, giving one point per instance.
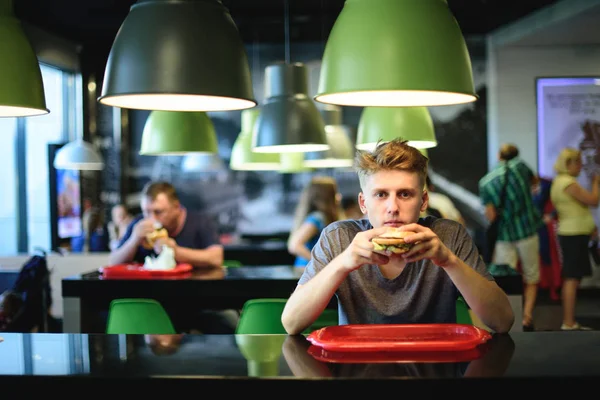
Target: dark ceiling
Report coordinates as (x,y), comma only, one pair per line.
(97,21)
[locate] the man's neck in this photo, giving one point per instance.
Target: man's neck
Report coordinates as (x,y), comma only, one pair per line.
(180,223)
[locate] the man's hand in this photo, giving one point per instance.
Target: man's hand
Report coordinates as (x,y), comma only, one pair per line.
(426,245)
(158,244)
(142,228)
(360,251)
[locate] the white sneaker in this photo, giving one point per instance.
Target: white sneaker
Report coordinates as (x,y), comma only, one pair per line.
(576,327)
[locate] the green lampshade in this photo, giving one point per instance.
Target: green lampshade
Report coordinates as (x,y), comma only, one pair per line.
(392,53)
(293,163)
(289,120)
(341,148)
(386,123)
(242,156)
(21,85)
(177,133)
(183,55)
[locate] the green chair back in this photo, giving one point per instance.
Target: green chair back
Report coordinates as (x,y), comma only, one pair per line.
(261,316)
(462,312)
(232,263)
(328,317)
(138,316)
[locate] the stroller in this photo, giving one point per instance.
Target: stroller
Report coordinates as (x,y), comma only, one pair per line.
(26,306)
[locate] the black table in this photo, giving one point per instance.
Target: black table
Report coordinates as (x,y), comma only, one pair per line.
(86,297)
(529,362)
(249,252)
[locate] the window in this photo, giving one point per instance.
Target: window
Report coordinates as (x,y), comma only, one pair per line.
(25,209)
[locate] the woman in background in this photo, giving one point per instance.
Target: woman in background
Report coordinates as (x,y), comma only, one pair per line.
(317,208)
(575,227)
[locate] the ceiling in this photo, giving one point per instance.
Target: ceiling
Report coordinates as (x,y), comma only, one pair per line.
(95,22)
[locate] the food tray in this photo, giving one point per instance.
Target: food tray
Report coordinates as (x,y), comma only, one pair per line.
(384,357)
(134,270)
(399,337)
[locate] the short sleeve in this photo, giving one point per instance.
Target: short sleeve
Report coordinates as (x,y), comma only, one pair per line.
(317,219)
(129,231)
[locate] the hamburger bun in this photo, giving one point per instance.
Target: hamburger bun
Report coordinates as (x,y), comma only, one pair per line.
(152,237)
(392,241)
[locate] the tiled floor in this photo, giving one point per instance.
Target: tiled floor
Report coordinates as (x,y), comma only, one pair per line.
(547,315)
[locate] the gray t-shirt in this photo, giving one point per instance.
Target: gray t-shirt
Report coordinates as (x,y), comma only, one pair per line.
(422,293)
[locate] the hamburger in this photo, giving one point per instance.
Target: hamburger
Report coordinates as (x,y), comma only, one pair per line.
(393,241)
(152,237)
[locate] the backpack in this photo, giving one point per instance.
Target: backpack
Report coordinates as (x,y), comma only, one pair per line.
(33,286)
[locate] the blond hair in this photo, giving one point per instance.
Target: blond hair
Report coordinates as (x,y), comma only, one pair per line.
(566,157)
(396,155)
(319,195)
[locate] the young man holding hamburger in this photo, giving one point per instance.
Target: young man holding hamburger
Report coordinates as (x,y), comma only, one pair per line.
(380,275)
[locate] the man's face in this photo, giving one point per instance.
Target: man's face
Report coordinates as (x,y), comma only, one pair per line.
(393,198)
(163,210)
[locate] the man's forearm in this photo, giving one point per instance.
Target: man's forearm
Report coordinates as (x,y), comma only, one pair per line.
(124,253)
(487,300)
(212,256)
(309,300)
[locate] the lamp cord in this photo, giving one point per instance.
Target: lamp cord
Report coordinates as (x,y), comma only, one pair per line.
(286,6)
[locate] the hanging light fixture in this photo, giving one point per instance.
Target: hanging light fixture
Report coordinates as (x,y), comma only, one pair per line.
(341,149)
(177,133)
(293,163)
(396,53)
(242,156)
(289,120)
(79,155)
(386,123)
(21,85)
(183,55)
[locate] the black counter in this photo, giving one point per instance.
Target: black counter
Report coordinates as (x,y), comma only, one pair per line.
(545,362)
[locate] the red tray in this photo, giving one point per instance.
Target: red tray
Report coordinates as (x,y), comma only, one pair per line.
(399,337)
(133,270)
(384,357)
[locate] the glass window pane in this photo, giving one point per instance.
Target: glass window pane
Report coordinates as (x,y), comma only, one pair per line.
(8,183)
(40,131)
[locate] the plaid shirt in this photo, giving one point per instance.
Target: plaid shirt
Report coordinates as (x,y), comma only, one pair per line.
(520,217)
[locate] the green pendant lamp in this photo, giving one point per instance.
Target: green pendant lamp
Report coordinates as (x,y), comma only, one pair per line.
(178,133)
(289,120)
(178,55)
(341,148)
(78,155)
(396,53)
(242,156)
(386,123)
(21,85)
(293,163)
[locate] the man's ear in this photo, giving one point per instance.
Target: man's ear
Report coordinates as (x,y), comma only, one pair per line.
(425,201)
(361,203)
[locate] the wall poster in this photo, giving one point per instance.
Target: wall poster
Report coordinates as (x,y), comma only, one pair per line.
(568,115)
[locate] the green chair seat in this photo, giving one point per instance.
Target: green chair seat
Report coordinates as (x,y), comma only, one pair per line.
(261,316)
(138,316)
